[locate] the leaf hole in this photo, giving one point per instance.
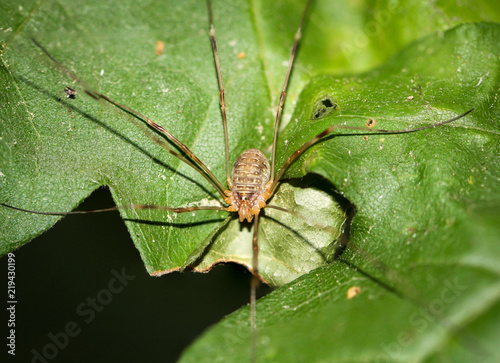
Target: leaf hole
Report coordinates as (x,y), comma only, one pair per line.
(323,107)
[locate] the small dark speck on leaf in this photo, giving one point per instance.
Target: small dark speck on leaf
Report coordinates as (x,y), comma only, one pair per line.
(353,291)
(371,122)
(70,93)
(160,47)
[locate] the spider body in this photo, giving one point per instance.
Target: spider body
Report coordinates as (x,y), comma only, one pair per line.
(249,185)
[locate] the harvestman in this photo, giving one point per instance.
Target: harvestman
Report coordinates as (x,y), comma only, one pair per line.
(253,179)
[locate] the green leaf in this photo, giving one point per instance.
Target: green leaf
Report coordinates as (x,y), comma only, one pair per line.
(426,201)
(289,246)
(61,149)
(426,260)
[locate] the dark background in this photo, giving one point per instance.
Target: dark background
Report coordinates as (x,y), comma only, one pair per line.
(152,318)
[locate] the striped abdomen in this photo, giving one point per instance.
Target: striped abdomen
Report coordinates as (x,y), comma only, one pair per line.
(251,173)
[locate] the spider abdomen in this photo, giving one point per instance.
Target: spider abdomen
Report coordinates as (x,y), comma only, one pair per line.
(249,179)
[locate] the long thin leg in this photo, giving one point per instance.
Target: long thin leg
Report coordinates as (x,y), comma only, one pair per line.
(116,208)
(97,96)
(283,90)
(254,284)
(330,129)
(189,162)
(222,101)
